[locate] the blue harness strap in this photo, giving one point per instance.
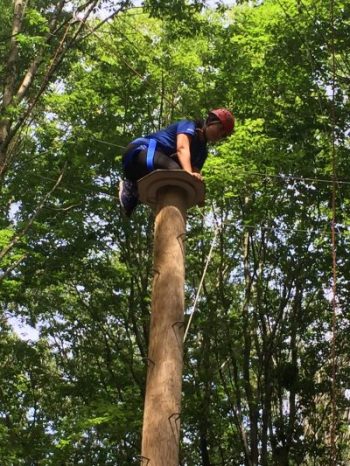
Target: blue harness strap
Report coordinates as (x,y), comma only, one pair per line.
(150,154)
(143,144)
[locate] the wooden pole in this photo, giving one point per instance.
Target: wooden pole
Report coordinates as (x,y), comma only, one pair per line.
(169,193)
(161,422)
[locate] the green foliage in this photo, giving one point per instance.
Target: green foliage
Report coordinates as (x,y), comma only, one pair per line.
(258,372)
(5,237)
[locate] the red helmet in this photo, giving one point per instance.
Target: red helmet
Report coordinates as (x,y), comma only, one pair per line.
(226,119)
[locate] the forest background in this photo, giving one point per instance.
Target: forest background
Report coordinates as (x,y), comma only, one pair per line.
(266,376)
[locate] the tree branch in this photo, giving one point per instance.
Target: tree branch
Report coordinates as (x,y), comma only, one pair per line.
(20,235)
(12,267)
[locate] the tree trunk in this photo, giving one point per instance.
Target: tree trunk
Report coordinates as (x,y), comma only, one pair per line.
(10,77)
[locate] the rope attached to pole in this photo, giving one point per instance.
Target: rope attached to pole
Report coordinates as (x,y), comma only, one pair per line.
(202,280)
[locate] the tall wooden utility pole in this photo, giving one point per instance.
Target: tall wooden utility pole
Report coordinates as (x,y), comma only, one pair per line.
(170,192)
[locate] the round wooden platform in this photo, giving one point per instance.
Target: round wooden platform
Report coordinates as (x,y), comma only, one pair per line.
(150,184)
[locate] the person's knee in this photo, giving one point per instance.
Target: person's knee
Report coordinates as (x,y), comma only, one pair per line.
(162,161)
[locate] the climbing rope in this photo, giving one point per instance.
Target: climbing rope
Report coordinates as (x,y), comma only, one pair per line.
(334,184)
(334,251)
(217,229)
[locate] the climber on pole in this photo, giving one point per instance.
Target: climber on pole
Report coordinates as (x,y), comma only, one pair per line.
(182,145)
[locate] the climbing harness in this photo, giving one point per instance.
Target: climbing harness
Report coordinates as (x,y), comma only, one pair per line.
(142,144)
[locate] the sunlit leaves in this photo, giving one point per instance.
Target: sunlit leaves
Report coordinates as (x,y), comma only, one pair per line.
(257,352)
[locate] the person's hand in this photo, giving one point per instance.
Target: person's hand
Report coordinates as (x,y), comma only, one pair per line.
(198,176)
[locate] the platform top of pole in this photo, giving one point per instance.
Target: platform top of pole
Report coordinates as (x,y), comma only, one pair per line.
(150,184)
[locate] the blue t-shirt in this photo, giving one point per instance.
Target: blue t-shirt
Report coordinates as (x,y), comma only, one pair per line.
(166,141)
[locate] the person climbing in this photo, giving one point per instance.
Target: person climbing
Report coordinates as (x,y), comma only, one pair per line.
(182,145)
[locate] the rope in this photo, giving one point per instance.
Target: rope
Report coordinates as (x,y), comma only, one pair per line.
(334,184)
(202,280)
(282,176)
(282,230)
(112,144)
(334,253)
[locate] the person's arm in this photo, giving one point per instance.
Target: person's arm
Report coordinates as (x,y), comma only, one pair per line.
(183,142)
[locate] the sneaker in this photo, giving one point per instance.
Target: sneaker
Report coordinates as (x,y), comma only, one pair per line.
(128,196)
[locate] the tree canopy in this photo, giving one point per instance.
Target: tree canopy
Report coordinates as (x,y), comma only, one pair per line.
(266,376)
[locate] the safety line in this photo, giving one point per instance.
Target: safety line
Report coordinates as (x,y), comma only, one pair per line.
(281,176)
(108,143)
(334,252)
(334,182)
(284,230)
(296,178)
(202,280)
